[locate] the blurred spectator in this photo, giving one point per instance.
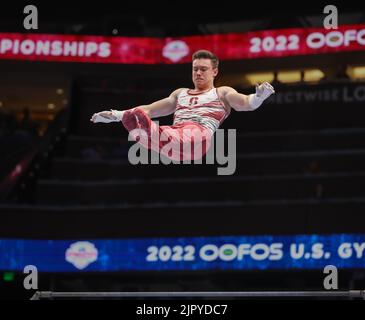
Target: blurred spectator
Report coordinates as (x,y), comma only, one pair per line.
(93,153)
(27,124)
(7,123)
(341,72)
(121,150)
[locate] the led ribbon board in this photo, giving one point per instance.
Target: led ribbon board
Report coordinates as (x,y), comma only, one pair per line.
(196,253)
(143,50)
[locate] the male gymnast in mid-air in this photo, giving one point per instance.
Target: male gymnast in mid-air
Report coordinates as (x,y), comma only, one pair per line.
(198,112)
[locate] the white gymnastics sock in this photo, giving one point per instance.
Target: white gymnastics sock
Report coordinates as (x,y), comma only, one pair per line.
(99,118)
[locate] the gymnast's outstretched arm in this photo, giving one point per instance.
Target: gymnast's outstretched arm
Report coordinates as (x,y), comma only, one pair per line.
(242,102)
(156,109)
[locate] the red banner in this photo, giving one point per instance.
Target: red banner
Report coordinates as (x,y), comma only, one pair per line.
(233,46)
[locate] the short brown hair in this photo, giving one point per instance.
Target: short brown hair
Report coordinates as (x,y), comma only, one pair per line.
(205,54)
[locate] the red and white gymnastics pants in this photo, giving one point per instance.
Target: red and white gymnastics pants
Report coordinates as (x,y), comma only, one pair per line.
(184,141)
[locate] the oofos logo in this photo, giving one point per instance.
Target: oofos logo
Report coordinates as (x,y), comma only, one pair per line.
(335,39)
(229,252)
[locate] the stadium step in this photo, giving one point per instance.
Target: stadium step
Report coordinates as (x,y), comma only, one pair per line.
(249,163)
(274,141)
(215,218)
(268,187)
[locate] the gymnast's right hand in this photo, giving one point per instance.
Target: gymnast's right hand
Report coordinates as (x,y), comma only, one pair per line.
(104,117)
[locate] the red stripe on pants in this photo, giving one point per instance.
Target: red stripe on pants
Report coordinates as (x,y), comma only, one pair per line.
(184,141)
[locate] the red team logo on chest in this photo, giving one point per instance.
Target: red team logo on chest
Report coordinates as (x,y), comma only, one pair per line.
(193,101)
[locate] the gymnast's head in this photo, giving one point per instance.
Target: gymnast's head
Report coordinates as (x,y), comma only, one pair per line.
(205,69)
